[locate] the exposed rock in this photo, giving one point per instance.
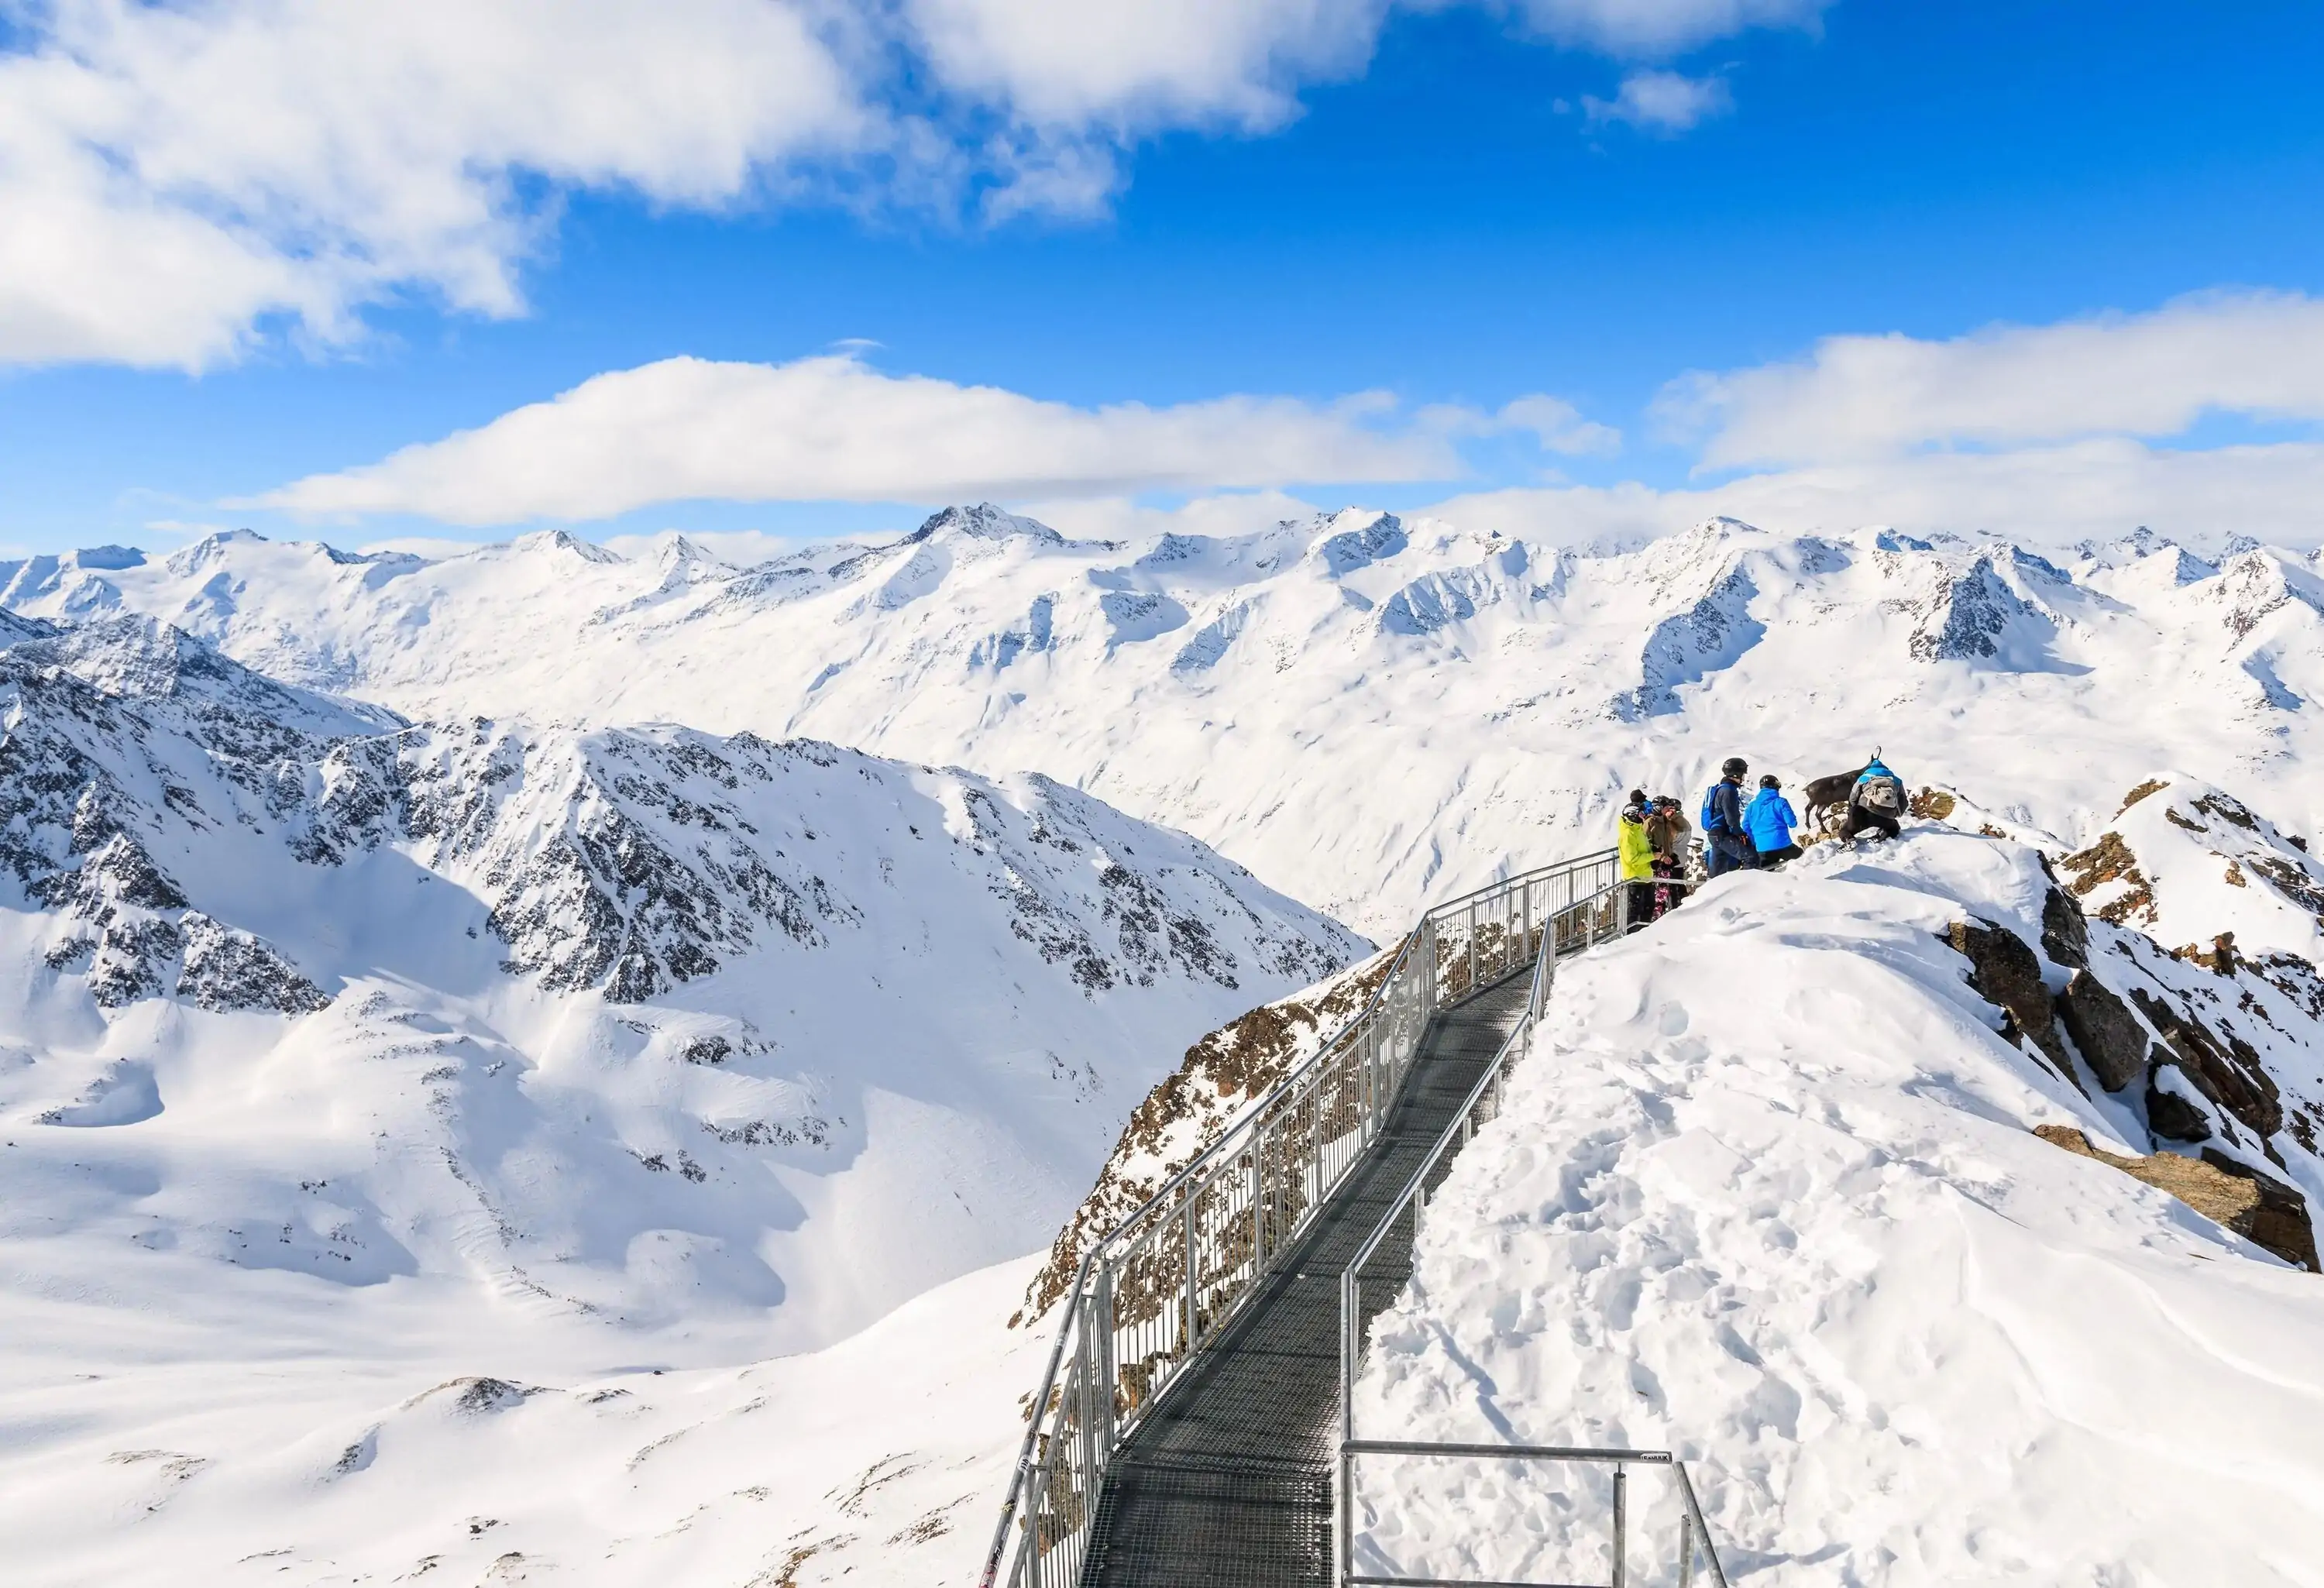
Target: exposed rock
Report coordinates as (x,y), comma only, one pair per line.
(2065,931)
(1194,1106)
(1968,617)
(2109,861)
(1931,804)
(2171,1116)
(2229,1073)
(2005,970)
(2259,1207)
(229,970)
(2102,1026)
(2151,786)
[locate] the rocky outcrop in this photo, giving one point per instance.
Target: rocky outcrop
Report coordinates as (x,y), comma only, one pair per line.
(2103,1029)
(1968,616)
(2005,972)
(1220,1075)
(2229,1073)
(2259,1207)
(2065,931)
(2108,868)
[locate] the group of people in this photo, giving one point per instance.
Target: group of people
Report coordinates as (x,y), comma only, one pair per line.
(1740,834)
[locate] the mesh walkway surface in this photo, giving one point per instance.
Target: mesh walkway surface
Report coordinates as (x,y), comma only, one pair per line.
(1229,1483)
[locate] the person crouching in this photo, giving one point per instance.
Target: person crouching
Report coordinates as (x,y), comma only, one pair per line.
(1769,819)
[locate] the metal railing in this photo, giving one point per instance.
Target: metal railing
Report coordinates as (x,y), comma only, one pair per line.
(1483,1105)
(1160,1286)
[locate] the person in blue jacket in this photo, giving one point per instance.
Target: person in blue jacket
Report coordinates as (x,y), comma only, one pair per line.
(1727,847)
(1769,819)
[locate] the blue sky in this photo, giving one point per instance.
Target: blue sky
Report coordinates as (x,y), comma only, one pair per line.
(1450,222)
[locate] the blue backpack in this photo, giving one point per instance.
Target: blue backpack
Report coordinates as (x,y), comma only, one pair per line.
(1712,822)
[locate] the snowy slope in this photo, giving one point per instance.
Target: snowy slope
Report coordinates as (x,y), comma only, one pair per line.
(1368,712)
(1768,1192)
(295,1442)
(342,1057)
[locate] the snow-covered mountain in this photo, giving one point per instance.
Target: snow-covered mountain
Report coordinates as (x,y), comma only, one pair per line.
(1948,1233)
(460,1012)
(343,1056)
(1368,712)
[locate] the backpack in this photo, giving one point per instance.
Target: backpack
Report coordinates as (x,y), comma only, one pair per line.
(1712,822)
(1882,794)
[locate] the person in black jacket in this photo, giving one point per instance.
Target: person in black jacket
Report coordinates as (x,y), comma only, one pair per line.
(1727,847)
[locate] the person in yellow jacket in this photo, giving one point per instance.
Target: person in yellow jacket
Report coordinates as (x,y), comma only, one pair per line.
(1637,853)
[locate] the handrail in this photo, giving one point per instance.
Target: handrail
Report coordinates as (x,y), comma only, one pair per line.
(1693,1531)
(1158,1287)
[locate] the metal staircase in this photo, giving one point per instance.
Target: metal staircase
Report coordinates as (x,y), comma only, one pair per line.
(1193,1427)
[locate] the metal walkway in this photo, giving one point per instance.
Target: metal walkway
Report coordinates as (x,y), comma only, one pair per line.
(1229,1483)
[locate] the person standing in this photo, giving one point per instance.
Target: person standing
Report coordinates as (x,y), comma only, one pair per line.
(1770,820)
(1637,854)
(1666,832)
(1728,848)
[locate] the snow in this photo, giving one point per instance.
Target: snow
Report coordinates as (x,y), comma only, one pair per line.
(342,1058)
(275,1436)
(1249,689)
(1765,1192)
(545,967)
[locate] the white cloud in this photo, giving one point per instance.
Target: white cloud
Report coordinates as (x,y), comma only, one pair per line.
(1649,28)
(1666,102)
(832,429)
(180,177)
(1138,65)
(1559,426)
(2152,374)
(172,175)
(2039,497)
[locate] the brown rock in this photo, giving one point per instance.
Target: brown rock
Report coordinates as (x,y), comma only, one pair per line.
(2259,1207)
(2110,860)
(2103,1029)
(2003,971)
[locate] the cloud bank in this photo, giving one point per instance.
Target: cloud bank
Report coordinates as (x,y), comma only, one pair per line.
(2257,354)
(832,429)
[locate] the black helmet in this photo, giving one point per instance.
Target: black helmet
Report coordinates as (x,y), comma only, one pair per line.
(1734,766)
(1769,781)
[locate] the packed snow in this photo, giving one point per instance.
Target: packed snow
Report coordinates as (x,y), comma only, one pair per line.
(1766,1193)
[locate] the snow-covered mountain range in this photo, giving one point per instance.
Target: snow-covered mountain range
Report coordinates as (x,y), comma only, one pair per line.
(344,1054)
(1368,712)
(461,1015)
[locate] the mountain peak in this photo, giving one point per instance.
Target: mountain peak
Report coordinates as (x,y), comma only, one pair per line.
(984,521)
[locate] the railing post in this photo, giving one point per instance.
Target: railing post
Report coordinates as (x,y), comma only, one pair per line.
(1109,1375)
(1472,951)
(1316,1196)
(1194,1323)
(1685,1552)
(1621,1528)
(1258,1204)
